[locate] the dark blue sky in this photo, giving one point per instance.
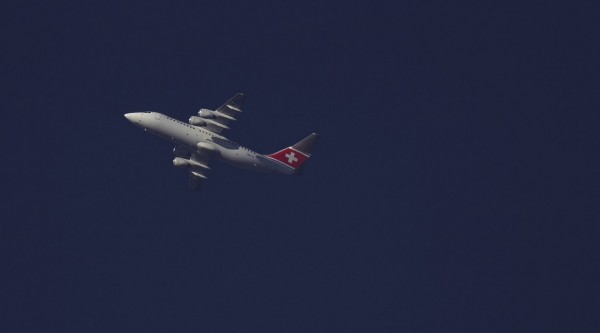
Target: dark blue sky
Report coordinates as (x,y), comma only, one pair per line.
(455,188)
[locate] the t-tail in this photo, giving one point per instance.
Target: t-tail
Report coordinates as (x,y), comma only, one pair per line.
(296,155)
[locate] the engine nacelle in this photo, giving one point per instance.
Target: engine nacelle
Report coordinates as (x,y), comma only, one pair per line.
(180,162)
(197,121)
(208,148)
(207,114)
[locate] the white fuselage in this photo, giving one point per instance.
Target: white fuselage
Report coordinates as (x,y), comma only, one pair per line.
(197,139)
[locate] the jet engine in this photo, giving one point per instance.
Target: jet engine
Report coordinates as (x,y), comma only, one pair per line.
(180,162)
(197,121)
(184,162)
(205,113)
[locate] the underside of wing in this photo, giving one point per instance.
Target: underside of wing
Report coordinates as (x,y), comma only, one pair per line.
(195,162)
(198,169)
(195,181)
(216,121)
(233,106)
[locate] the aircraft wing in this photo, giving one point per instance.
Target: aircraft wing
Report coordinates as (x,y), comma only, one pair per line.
(197,169)
(226,113)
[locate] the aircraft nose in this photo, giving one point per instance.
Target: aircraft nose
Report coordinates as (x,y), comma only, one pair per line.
(135,117)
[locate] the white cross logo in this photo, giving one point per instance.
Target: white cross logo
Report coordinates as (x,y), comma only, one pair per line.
(291,157)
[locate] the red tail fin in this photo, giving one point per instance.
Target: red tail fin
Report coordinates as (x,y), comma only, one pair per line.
(297,154)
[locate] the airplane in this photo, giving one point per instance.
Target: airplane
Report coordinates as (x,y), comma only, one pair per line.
(199,140)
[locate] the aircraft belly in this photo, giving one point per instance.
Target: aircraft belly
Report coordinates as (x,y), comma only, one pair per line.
(242,159)
(231,154)
(179,134)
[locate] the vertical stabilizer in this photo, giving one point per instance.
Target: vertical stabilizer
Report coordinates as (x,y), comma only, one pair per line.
(296,155)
